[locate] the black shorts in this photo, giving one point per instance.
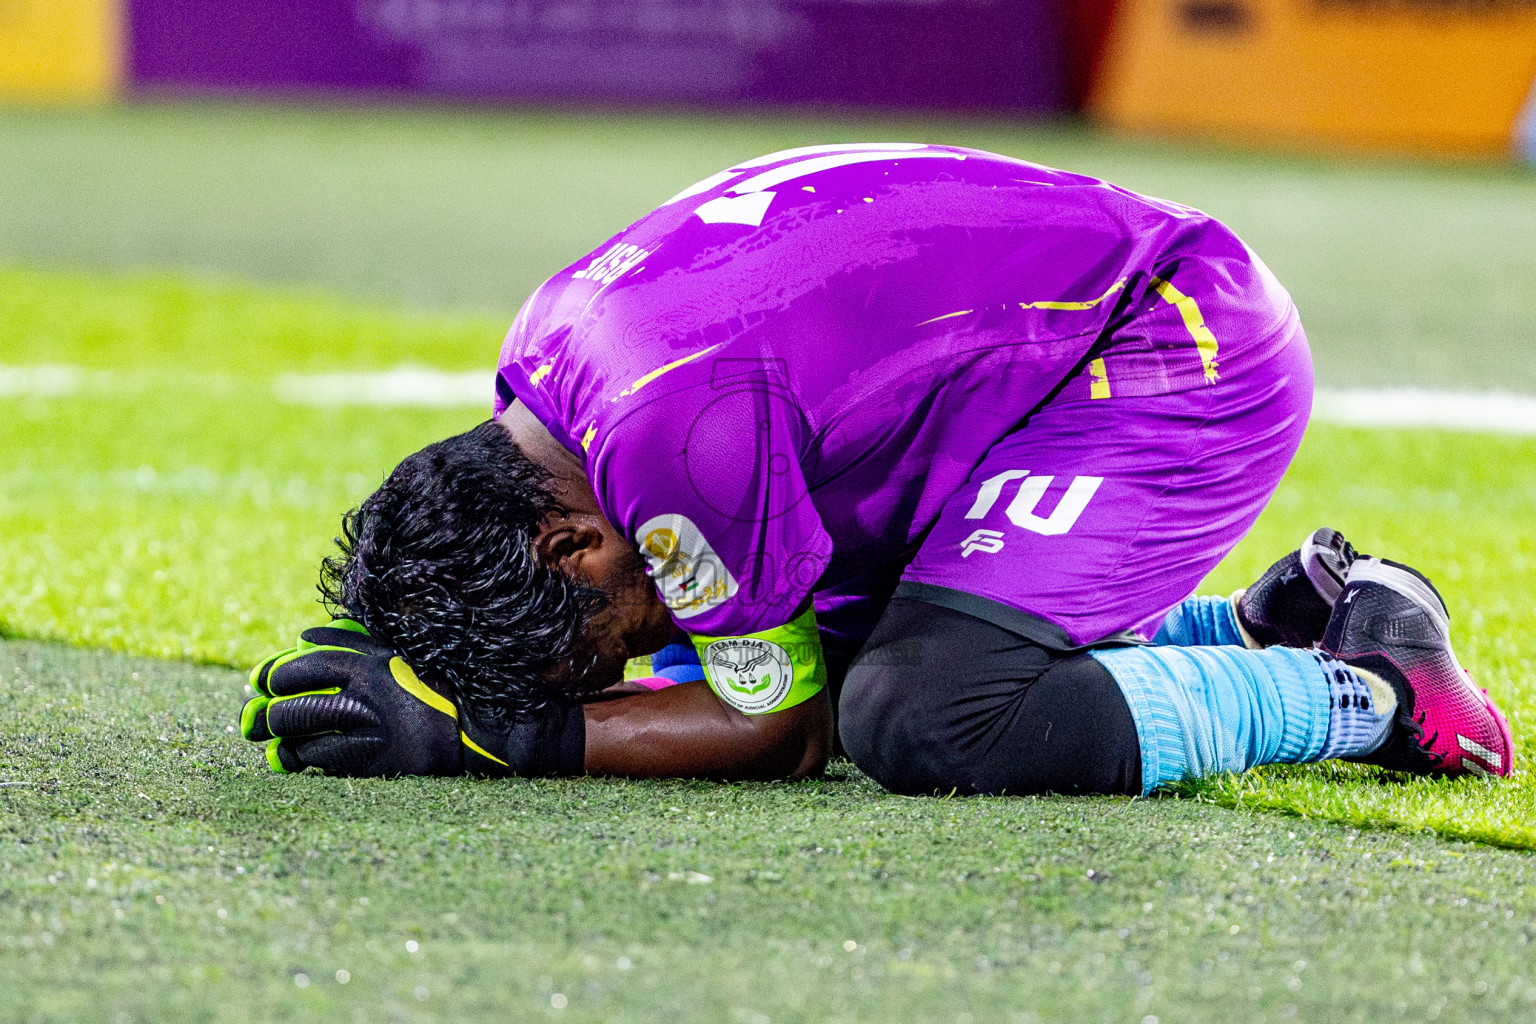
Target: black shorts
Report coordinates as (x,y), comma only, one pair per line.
(941,701)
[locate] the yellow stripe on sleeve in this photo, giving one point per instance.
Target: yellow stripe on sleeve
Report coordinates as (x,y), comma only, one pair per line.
(946,316)
(1099,386)
(1074,304)
(1194,323)
(674,364)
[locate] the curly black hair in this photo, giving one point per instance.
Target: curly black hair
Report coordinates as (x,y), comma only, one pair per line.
(439,563)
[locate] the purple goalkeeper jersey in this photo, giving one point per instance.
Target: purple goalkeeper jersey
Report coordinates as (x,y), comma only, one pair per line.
(778,377)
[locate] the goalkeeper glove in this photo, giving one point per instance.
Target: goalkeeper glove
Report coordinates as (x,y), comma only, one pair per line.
(342,702)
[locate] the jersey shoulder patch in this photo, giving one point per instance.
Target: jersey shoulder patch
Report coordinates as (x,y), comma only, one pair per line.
(690,576)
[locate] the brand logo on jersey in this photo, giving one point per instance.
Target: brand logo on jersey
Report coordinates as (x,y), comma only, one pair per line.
(619,260)
(751,675)
(988,542)
(1021,510)
(689,576)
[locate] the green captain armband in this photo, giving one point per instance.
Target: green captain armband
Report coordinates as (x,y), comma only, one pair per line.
(768,671)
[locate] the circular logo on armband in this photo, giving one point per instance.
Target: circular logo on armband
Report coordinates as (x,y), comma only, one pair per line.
(749,674)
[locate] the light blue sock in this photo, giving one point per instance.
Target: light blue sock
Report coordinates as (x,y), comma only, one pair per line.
(1361,715)
(1359,720)
(1203,710)
(1200,622)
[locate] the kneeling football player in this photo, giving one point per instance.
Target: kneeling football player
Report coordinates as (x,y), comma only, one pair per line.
(921,446)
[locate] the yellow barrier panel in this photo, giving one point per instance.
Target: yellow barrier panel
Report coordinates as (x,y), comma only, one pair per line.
(1445,76)
(59,49)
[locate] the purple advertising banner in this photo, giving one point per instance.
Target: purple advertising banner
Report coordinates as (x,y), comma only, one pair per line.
(998,55)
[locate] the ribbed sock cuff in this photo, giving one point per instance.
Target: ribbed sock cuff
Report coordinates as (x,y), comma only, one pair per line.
(1304,699)
(1201,622)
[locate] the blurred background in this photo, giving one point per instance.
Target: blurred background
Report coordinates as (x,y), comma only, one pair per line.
(254,251)
(452,153)
(1425,76)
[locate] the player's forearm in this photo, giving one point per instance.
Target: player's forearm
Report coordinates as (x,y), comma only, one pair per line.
(685,731)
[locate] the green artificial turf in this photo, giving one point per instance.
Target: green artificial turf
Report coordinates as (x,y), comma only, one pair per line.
(151,870)
(172,504)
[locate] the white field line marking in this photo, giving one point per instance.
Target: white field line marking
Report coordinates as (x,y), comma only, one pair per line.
(46,381)
(1495,412)
(402,386)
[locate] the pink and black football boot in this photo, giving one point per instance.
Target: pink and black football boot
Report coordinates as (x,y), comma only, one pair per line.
(1390,620)
(1291,603)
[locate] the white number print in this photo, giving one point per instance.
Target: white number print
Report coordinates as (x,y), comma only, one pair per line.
(1021,510)
(750,194)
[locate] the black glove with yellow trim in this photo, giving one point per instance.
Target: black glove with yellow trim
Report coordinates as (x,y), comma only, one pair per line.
(344,703)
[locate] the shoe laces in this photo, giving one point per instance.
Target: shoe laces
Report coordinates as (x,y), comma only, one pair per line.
(1413,725)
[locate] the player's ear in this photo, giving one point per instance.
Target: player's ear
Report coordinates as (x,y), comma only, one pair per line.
(565,542)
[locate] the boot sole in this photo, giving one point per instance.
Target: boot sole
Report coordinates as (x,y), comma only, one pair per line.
(1314,559)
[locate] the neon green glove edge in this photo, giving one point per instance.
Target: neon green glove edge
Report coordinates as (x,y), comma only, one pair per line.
(254,708)
(273,759)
